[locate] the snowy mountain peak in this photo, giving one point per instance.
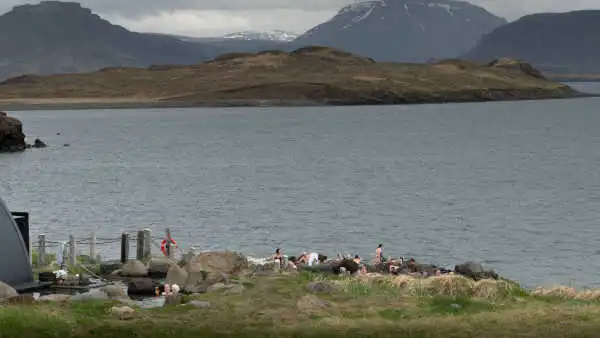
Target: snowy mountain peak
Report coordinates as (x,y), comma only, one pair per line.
(271,35)
(404,30)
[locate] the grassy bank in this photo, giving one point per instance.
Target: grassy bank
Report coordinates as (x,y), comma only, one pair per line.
(283,306)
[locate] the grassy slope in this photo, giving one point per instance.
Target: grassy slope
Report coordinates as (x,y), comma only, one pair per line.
(281,306)
(309,75)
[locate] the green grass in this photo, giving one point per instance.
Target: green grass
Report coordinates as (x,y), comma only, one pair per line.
(281,306)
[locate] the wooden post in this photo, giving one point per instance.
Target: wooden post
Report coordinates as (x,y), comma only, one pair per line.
(124,247)
(41,258)
(92,247)
(72,251)
(168,245)
(65,256)
(31,254)
(140,246)
(147,244)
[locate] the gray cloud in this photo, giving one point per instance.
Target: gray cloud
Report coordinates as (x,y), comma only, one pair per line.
(209,17)
(137,8)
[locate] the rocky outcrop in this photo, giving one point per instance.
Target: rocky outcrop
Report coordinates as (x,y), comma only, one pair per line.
(12,138)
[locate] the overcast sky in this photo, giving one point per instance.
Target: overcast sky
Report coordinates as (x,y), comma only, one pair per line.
(216,17)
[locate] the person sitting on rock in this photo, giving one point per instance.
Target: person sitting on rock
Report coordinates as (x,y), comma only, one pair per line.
(412,266)
(357,259)
(278,257)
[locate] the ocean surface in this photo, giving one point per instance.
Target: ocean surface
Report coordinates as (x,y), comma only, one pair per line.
(515,185)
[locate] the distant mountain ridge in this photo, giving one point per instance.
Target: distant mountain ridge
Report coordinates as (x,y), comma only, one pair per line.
(64,37)
(404,30)
(554,42)
(269,35)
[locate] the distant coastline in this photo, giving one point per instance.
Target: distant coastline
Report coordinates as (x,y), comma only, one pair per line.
(75,104)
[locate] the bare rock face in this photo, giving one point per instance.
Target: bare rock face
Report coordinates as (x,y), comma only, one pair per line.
(12,138)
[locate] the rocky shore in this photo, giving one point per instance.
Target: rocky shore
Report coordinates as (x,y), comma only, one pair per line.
(211,271)
(221,294)
(308,76)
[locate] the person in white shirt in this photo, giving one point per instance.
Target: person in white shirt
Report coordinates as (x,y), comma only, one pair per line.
(313,258)
(309,258)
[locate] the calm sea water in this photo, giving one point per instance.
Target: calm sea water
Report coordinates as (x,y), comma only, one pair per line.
(513,184)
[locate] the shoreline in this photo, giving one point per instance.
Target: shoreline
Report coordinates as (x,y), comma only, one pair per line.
(27,104)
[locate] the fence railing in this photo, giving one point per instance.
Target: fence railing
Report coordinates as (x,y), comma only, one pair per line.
(68,251)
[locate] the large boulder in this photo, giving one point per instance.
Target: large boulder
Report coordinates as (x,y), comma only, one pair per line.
(349,265)
(12,138)
(7,292)
(176,275)
(158,268)
(215,264)
(134,268)
(142,287)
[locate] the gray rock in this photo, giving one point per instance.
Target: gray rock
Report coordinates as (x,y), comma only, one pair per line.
(142,286)
(177,275)
(215,264)
(123,312)
(107,268)
(7,291)
(134,268)
(159,268)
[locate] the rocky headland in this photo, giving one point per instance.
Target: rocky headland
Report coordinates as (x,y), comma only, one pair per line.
(307,76)
(12,138)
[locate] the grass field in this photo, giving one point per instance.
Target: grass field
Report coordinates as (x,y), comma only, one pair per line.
(283,306)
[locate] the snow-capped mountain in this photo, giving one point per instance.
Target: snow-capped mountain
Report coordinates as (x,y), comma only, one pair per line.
(271,35)
(404,30)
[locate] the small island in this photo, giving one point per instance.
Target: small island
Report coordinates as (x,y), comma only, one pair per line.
(308,76)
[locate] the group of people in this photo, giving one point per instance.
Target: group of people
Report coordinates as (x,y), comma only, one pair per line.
(312,258)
